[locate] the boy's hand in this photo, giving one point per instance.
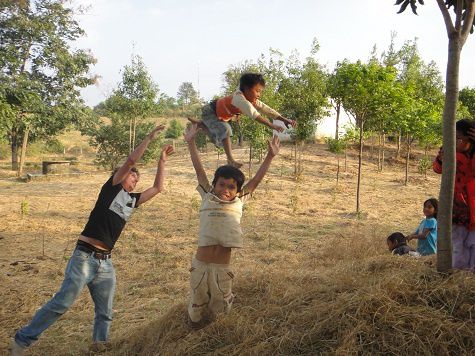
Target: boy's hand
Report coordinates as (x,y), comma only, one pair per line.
(289,122)
(191,133)
(166,151)
(274,146)
(152,135)
(278,128)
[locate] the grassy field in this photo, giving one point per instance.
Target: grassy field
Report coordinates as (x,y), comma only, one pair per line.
(313,277)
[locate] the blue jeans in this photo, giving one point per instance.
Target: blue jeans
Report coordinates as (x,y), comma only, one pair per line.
(82,269)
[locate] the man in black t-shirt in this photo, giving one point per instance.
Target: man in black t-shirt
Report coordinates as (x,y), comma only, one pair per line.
(91,262)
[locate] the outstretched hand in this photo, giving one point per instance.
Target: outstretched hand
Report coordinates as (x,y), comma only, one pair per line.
(166,152)
(278,128)
(191,133)
(152,135)
(289,123)
(274,146)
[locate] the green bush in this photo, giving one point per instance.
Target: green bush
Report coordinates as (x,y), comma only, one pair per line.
(175,130)
(53,145)
(335,146)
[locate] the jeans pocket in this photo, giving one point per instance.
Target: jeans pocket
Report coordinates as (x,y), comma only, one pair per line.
(81,254)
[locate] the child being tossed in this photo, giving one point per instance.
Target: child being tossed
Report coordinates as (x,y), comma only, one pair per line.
(216,115)
(211,277)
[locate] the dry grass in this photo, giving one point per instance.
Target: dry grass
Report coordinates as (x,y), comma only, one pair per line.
(313,277)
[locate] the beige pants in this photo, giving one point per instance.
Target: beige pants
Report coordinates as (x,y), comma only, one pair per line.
(211,289)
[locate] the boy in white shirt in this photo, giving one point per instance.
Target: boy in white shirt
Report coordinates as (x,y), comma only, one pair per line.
(215,115)
(211,278)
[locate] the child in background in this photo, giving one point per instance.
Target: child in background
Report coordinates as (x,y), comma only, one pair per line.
(426,233)
(397,244)
(463,212)
(211,277)
(245,100)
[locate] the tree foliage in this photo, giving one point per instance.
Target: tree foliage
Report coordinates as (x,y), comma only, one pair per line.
(40,75)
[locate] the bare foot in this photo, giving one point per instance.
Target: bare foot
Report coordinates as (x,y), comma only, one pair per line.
(235,163)
(193,120)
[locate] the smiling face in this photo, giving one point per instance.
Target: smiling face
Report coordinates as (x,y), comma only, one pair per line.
(225,188)
(130,181)
(253,93)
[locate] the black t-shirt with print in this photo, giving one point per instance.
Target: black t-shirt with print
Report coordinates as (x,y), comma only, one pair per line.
(113,208)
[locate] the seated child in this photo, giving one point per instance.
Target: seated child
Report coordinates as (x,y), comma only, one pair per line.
(426,233)
(211,277)
(245,100)
(397,244)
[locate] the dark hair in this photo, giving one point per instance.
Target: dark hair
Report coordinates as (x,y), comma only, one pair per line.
(435,204)
(464,125)
(133,169)
(248,80)
(398,238)
(229,172)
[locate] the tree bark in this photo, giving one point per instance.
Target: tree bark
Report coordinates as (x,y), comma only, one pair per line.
(408,153)
(23,150)
(360,157)
(444,216)
(398,151)
(338,107)
(14,148)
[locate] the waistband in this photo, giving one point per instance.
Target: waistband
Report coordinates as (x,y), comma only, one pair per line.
(199,263)
(96,253)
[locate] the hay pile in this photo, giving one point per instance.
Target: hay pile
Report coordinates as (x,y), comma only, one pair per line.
(383,304)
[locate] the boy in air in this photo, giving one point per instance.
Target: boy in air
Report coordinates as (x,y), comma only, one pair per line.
(211,277)
(90,263)
(245,100)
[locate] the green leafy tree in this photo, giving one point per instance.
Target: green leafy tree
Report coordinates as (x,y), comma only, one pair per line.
(187,96)
(467,97)
(41,75)
(368,87)
(458,27)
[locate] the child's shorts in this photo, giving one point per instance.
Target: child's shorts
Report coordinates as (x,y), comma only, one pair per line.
(463,248)
(218,130)
(211,289)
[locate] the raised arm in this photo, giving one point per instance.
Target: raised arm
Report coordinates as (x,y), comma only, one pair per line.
(135,156)
(159,176)
(190,136)
(273,150)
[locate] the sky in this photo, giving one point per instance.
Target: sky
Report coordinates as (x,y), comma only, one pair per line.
(195,41)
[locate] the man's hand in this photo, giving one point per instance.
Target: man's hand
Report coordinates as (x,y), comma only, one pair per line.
(152,135)
(191,133)
(274,146)
(278,128)
(166,152)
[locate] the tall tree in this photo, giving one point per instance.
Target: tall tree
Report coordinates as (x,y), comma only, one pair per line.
(187,95)
(40,73)
(135,98)
(368,88)
(458,27)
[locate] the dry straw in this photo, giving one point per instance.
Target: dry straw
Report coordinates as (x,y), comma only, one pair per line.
(381,305)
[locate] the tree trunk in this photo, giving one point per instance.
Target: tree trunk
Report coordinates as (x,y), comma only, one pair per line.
(444,216)
(346,160)
(372,147)
(250,158)
(360,157)
(23,150)
(338,168)
(134,129)
(338,107)
(382,151)
(407,158)
(295,158)
(398,150)
(379,152)
(14,148)
(130,136)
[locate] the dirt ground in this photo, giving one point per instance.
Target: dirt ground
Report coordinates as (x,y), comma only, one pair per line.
(288,221)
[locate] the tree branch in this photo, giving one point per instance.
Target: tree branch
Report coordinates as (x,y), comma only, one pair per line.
(467,23)
(458,15)
(447,19)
